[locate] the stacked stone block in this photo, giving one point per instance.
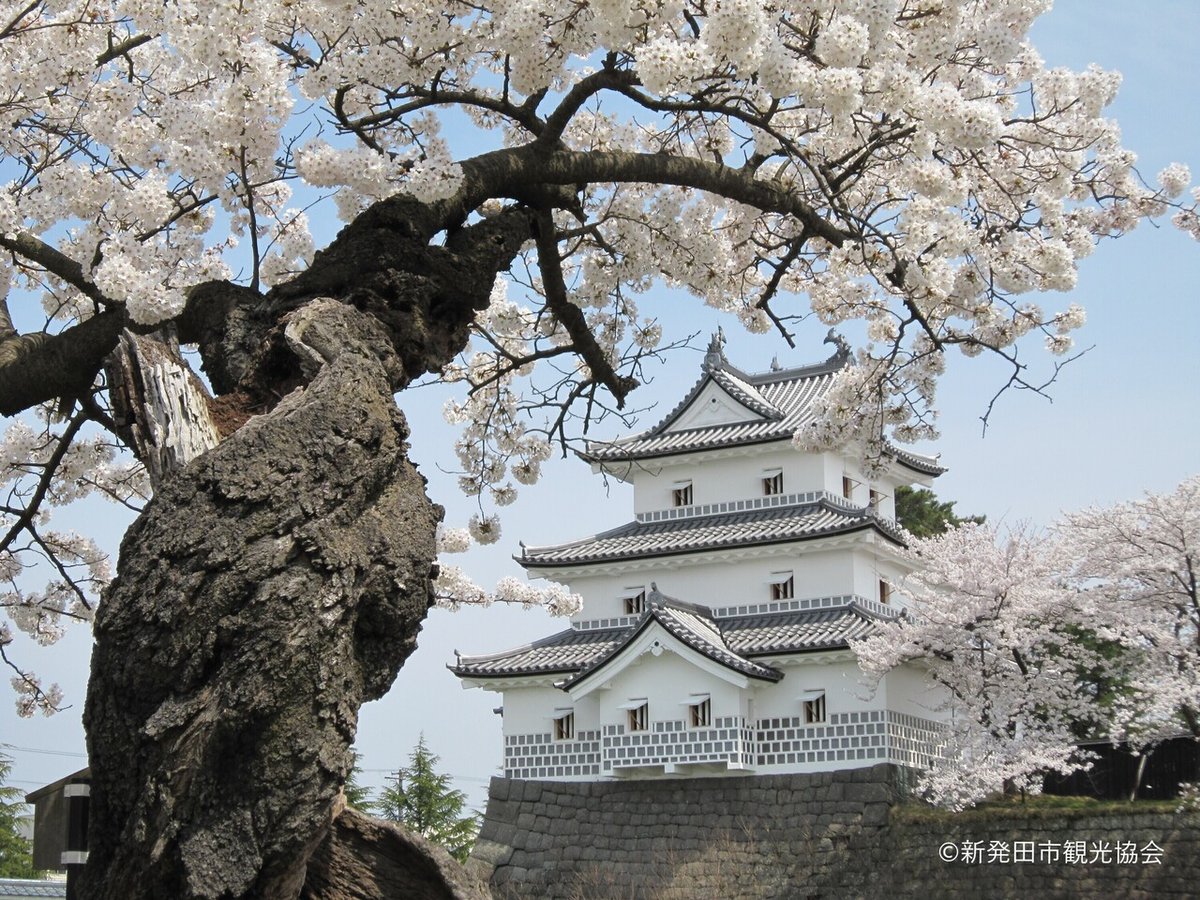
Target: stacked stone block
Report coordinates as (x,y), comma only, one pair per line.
(826,835)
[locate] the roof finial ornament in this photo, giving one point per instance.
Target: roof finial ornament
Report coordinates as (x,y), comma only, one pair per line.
(842,353)
(775,366)
(655,596)
(714,357)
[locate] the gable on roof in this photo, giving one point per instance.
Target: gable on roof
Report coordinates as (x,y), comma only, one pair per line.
(748,409)
(732,638)
(685,630)
(712,405)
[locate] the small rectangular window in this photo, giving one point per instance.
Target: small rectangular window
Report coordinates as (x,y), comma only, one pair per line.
(875,498)
(772,482)
(885,591)
(783,586)
(639,717)
(564,727)
(634,600)
(681,493)
(700,714)
(847,487)
(814,708)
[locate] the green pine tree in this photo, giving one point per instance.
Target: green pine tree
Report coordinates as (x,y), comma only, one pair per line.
(16,853)
(357,796)
(423,801)
(923,515)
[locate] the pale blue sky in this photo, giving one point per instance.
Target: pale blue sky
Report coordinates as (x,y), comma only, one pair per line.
(1124,419)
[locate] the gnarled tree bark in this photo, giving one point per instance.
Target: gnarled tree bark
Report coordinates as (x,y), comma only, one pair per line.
(278,581)
(270,588)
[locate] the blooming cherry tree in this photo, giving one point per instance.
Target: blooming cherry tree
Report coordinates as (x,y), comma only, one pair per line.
(992,623)
(907,163)
(998,622)
(1137,566)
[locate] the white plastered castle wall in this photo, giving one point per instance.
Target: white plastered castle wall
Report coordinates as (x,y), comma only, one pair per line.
(666,682)
(728,478)
(723,583)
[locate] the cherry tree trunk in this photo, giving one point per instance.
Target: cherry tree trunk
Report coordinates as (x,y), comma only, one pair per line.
(277,581)
(271,587)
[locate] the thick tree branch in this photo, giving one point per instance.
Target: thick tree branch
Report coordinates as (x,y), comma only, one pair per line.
(123,47)
(605,79)
(510,172)
(40,367)
(571,316)
(6,325)
(394,235)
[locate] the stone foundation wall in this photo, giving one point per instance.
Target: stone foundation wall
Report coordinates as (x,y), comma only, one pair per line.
(830,835)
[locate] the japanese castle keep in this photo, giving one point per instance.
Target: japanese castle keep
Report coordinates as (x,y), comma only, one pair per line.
(714,637)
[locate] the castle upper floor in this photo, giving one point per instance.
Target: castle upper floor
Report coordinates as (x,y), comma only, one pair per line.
(726,447)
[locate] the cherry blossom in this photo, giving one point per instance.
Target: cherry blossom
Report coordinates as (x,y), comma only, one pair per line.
(1137,566)
(912,166)
(989,619)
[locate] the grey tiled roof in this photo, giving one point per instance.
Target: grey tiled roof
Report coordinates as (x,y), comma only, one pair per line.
(757,635)
(731,640)
(781,403)
(568,651)
(637,540)
(694,627)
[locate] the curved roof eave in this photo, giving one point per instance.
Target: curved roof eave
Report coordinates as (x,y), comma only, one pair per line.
(872,523)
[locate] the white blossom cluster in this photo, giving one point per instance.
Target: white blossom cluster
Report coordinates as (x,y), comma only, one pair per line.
(455,589)
(495,442)
(71,567)
(999,622)
(911,165)
(1136,565)
(32,697)
(984,185)
(990,621)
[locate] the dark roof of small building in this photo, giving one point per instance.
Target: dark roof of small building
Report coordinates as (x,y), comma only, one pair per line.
(813,518)
(83,774)
(780,402)
(22,887)
(731,640)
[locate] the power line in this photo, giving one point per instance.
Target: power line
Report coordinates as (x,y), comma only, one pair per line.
(43,751)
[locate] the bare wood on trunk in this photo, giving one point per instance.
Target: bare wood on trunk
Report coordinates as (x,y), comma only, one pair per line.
(161,405)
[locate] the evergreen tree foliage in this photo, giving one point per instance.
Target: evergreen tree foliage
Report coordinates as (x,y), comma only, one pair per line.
(423,801)
(358,795)
(16,853)
(923,515)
